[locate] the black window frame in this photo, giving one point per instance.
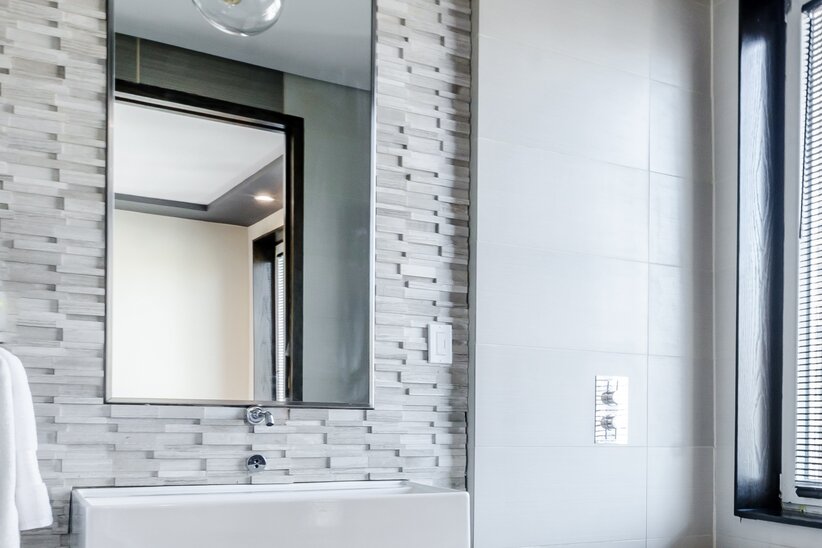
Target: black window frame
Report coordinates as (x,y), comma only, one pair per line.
(760,264)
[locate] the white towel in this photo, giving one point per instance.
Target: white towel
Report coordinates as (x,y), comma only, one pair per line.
(30,493)
(9,529)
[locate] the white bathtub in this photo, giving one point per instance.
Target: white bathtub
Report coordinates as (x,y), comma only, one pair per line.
(375,514)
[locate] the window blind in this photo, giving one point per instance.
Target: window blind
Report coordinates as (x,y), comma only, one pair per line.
(809,350)
(279,315)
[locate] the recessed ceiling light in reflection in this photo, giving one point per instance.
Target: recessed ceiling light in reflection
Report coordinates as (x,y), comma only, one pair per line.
(265,198)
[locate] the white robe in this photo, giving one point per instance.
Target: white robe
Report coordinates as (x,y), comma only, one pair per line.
(31,499)
(9,529)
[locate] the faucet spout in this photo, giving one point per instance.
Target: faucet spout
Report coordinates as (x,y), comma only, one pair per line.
(258,415)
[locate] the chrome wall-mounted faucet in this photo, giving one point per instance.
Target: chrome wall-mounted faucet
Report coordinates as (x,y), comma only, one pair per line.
(256,415)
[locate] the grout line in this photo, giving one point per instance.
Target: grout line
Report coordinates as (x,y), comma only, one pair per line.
(648,286)
(712,22)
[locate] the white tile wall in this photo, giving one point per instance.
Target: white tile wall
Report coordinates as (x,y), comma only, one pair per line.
(680,492)
(559,300)
(611,35)
(680,387)
(702,541)
(680,312)
(681,44)
(592,235)
(559,495)
(679,235)
(545,386)
(574,210)
(680,132)
(537,95)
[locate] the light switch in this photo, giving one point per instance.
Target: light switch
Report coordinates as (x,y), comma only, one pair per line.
(611,410)
(439,343)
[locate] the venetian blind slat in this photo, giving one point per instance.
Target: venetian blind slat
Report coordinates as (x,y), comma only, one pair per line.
(809,351)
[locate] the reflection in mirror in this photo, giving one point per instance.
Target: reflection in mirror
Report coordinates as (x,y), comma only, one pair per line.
(240,238)
(198,220)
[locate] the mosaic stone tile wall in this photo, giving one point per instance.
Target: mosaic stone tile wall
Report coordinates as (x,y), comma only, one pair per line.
(52,271)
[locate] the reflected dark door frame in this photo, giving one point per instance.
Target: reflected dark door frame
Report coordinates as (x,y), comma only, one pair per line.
(293,129)
(266,311)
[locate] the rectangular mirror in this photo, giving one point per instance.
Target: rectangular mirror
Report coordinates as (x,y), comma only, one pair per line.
(240,222)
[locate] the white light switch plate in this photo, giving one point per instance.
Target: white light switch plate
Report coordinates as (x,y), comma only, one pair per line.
(611,410)
(439,343)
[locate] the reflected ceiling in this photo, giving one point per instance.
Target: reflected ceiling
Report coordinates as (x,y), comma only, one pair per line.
(327,40)
(187,166)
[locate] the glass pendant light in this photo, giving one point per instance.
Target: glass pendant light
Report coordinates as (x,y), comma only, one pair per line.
(241,17)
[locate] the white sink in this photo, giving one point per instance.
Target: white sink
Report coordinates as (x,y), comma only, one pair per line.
(375,514)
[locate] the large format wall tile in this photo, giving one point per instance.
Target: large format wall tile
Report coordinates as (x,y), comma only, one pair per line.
(544,397)
(680,317)
(559,495)
(701,541)
(681,43)
(593,255)
(681,226)
(561,300)
(726,96)
(604,32)
(560,103)
(680,401)
(680,492)
(680,132)
(544,200)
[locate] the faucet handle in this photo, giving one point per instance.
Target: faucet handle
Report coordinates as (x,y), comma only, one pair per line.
(256,415)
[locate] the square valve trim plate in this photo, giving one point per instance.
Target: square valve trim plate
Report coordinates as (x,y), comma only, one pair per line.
(611,410)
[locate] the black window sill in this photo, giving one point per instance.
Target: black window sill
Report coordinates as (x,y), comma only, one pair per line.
(779,516)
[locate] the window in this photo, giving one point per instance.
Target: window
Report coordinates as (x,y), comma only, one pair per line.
(760,318)
(802,402)
(808,461)
(778,446)
(279,315)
